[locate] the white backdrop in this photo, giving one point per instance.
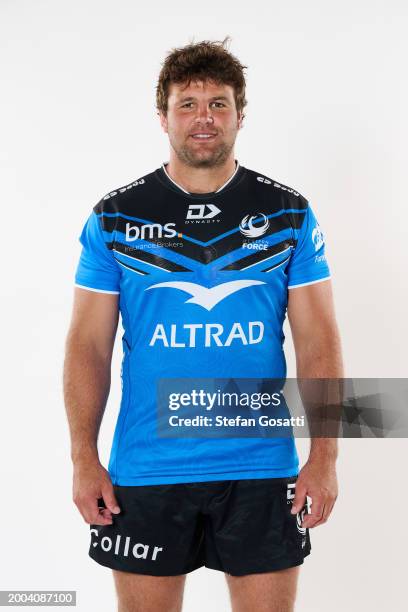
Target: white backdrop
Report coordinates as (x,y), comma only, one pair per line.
(327,115)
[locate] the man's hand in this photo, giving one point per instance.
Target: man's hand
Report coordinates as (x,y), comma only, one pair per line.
(92,481)
(318,480)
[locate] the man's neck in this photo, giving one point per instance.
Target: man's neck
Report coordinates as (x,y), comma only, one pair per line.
(200,180)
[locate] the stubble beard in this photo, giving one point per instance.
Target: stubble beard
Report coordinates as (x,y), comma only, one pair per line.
(188,156)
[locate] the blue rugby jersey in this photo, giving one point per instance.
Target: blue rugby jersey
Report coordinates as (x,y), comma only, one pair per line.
(203,284)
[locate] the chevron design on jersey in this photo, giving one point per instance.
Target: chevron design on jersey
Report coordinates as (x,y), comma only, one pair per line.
(149,225)
(129,267)
(146,257)
(239,262)
(192,248)
(277,265)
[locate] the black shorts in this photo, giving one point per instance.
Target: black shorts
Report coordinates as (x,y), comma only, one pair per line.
(235,526)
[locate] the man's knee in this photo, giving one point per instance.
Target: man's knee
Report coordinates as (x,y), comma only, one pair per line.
(146,593)
(265,592)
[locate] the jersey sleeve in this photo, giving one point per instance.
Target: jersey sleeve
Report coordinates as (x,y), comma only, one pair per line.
(97,269)
(308,263)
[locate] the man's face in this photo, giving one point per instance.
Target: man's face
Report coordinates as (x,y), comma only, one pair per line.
(202,122)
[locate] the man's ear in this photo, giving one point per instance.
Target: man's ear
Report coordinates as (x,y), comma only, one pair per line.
(240,119)
(163,121)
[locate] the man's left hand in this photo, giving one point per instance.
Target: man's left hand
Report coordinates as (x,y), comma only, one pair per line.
(318,480)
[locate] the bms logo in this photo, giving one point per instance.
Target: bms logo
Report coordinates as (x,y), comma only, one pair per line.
(317,237)
(248,228)
(151,230)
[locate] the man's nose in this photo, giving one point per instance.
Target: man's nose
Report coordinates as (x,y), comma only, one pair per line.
(204,114)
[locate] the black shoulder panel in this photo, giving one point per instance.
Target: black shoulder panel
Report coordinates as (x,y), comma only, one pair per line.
(116,200)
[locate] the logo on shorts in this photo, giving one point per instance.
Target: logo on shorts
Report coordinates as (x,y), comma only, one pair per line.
(290,496)
(290,492)
(299,518)
(125,548)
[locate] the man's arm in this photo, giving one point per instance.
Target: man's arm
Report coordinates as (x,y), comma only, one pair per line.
(318,355)
(86,381)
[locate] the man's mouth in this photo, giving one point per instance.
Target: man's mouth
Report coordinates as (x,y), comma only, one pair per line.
(203,136)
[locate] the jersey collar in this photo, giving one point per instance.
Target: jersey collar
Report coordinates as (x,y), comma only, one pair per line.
(171,183)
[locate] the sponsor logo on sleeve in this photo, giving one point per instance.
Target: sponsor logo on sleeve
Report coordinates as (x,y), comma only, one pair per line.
(317,237)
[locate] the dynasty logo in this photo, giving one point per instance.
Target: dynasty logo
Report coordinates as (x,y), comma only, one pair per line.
(202,213)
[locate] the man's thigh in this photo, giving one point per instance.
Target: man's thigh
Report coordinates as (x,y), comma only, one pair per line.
(264,592)
(145,593)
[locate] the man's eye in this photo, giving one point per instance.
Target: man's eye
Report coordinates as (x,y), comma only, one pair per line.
(190,104)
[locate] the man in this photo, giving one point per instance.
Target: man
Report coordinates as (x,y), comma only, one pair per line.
(202,257)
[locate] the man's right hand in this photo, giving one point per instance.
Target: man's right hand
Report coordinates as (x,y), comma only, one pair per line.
(92,482)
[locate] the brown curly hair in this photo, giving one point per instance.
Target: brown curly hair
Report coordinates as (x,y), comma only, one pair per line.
(205,60)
